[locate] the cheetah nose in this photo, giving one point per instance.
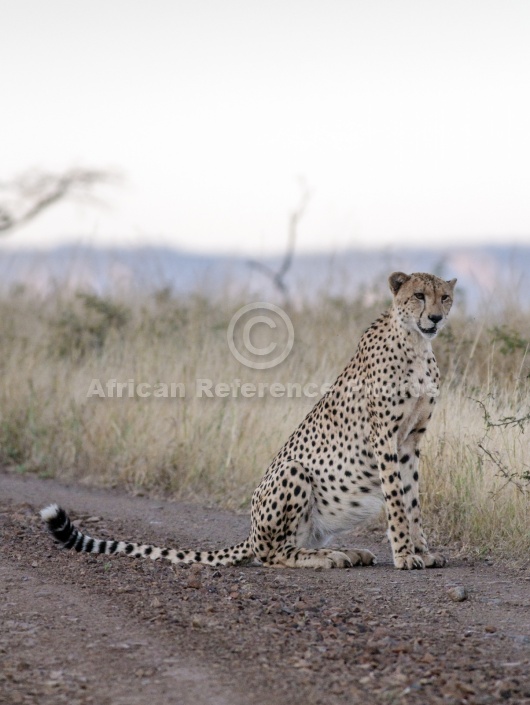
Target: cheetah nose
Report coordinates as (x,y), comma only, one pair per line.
(435,318)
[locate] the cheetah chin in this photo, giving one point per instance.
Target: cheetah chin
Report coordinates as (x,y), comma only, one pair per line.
(358,448)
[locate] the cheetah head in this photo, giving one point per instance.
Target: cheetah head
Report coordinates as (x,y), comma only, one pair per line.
(423,301)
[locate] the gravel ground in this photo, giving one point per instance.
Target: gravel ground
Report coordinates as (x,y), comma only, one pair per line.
(82,629)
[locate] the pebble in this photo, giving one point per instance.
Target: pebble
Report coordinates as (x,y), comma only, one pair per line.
(458,593)
(194,582)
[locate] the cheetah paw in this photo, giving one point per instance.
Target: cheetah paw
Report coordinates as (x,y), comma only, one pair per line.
(434,560)
(360,556)
(409,561)
(339,559)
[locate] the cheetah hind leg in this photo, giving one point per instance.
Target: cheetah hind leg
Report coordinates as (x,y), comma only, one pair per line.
(360,556)
(290,556)
(278,507)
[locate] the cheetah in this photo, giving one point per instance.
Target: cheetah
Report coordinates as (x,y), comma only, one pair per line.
(355,452)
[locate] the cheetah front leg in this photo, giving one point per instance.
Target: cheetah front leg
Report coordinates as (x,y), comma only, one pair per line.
(403,552)
(409,465)
(282,501)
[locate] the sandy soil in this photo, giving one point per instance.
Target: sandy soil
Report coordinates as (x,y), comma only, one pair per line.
(82,629)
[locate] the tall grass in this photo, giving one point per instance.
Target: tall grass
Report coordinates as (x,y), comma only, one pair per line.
(474,473)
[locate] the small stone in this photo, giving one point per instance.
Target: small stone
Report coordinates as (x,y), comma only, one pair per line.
(194,582)
(428,658)
(490,629)
(301,663)
(458,593)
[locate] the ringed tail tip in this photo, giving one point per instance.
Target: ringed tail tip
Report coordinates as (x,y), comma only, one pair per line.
(50,512)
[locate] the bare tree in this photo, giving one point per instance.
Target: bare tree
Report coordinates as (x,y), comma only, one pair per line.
(25,197)
(278,276)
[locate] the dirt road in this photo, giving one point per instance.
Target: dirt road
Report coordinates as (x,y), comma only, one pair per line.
(79,629)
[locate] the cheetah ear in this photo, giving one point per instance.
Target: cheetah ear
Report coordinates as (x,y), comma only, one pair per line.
(396,281)
(452,283)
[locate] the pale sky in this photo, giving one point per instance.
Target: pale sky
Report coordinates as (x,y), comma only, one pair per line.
(409,120)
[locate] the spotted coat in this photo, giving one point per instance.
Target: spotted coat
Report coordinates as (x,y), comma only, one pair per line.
(355,451)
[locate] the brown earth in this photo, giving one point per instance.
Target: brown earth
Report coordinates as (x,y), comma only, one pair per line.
(82,629)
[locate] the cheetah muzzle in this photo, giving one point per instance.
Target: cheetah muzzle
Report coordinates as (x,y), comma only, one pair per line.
(356,451)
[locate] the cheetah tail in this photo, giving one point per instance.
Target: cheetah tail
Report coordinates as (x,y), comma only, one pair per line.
(65,533)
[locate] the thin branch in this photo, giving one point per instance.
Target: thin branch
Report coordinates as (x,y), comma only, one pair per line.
(27,196)
(505,422)
(278,276)
(520,480)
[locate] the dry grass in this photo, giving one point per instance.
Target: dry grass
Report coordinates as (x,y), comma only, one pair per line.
(475,474)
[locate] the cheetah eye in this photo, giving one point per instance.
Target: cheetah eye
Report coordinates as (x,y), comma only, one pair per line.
(420,297)
(445,297)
